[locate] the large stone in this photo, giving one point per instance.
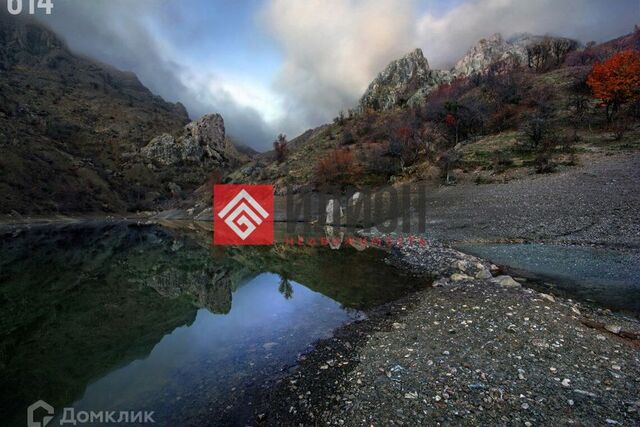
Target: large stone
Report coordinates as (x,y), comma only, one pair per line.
(163,149)
(207,132)
(203,141)
(505,282)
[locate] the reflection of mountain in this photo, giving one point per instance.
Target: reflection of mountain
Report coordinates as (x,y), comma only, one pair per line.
(79,301)
(354,279)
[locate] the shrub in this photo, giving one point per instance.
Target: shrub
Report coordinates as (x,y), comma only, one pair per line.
(336,168)
(536,131)
(502,161)
(347,137)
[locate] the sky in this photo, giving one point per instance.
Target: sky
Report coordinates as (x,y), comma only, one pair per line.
(284,66)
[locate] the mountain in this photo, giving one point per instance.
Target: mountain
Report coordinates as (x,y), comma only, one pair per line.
(402,80)
(409,80)
(79,136)
(473,118)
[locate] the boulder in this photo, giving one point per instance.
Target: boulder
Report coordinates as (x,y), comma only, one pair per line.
(505,282)
(202,141)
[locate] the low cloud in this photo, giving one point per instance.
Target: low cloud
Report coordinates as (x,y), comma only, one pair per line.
(333,49)
(125,34)
(446,38)
(330,49)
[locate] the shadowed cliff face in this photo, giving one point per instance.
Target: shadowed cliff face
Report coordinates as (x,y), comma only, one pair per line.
(69,126)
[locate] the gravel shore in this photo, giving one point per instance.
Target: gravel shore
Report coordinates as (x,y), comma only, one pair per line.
(467,352)
(595,203)
(477,348)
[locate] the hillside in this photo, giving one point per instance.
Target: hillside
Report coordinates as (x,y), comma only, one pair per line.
(472,123)
(72,132)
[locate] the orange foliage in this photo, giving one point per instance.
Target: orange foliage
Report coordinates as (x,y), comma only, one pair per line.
(337,168)
(616,80)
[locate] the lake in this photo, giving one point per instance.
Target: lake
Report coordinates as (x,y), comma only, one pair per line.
(123,316)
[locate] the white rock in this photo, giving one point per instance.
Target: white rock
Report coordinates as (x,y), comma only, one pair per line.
(614,329)
(457,277)
(483,274)
(547,297)
(506,282)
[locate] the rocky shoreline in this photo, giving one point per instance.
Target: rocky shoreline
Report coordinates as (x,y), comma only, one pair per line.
(476,348)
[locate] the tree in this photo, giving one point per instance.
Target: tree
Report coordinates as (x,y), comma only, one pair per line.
(536,130)
(616,81)
(447,161)
(280,147)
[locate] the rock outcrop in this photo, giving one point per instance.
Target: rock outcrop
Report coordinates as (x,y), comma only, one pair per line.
(487,52)
(408,80)
(521,50)
(202,141)
(400,81)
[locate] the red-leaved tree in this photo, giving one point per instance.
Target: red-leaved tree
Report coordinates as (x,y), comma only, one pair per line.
(616,81)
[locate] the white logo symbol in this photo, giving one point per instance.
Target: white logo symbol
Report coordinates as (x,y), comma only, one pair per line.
(245,207)
(40,404)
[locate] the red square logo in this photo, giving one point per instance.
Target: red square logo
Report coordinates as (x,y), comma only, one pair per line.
(242,214)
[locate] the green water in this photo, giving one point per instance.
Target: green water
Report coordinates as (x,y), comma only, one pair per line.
(117,316)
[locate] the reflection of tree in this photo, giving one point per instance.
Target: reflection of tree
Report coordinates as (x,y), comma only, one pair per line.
(285,287)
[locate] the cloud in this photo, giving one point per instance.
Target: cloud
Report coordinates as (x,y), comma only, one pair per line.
(328,50)
(130,36)
(446,38)
(332,49)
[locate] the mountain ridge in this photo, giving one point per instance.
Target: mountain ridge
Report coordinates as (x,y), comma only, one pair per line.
(409,79)
(72,131)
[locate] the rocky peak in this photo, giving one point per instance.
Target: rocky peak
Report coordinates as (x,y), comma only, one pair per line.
(522,49)
(208,131)
(399,81)
(482,55)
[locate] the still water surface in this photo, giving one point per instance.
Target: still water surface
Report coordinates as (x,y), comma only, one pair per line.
(117,316)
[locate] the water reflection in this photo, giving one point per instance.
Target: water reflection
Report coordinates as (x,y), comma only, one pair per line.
(117,315)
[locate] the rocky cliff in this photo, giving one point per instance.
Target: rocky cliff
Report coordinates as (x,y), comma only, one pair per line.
(400,81)
(409,80)
(202,142)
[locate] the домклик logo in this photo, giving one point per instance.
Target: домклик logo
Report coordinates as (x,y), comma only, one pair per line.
(242,214)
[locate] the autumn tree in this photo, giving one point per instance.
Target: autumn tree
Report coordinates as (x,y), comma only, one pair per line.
(280,147)
(616,81)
